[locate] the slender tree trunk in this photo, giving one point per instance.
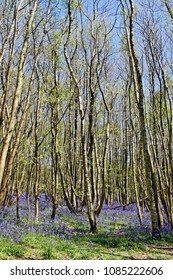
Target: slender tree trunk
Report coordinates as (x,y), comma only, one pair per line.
(91,214)
(149,177)
(16,100)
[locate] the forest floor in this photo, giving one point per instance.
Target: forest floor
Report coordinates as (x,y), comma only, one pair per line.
(119,237)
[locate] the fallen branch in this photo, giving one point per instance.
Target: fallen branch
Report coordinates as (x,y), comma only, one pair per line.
(119,206)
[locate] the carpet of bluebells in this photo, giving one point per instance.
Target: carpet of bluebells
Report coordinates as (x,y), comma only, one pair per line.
(111,221)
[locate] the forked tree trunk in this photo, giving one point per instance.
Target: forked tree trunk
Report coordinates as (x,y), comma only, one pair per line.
(88,186)
(139,94)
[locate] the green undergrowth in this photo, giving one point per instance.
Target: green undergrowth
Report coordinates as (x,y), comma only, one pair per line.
(86,246)
(116,240)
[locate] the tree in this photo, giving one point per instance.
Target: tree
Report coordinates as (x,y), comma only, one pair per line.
(139,95)
(5,147)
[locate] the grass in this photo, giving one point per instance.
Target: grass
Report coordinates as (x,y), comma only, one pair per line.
(120,237)
(86,246)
